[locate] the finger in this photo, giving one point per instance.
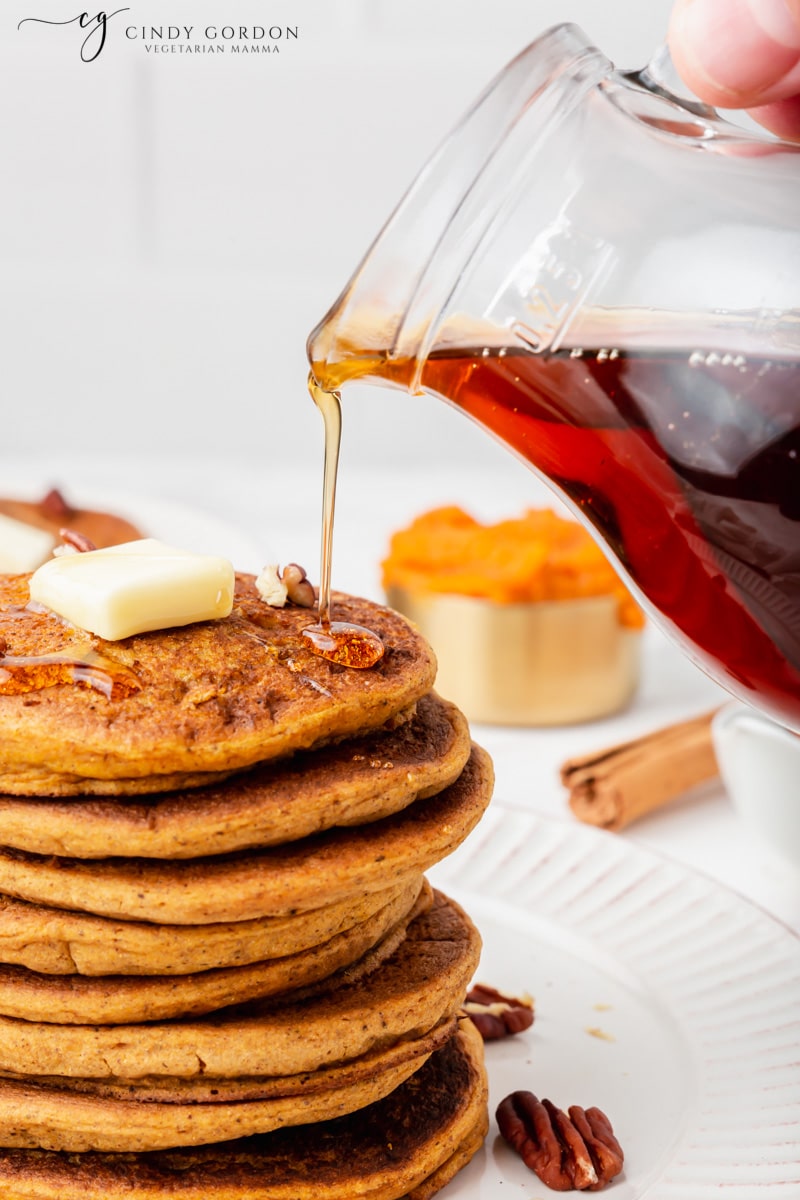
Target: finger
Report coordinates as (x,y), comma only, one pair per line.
(782,117)
(737,53)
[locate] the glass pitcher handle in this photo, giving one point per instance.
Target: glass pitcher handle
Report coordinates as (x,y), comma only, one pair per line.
(660,77)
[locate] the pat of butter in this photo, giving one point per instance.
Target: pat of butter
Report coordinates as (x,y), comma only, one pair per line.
(134,588)
(23,547)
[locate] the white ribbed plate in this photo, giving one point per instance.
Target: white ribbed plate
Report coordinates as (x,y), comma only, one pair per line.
(661,997)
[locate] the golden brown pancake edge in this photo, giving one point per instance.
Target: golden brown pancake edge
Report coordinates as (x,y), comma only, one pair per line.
(389,997)
(354,781)
(438,1119)
(270,882)
(55,941)
(118,999)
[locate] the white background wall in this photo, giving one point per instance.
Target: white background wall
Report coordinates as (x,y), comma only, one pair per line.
(173,225)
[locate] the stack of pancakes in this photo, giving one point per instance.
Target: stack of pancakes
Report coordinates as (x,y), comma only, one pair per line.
(222,971)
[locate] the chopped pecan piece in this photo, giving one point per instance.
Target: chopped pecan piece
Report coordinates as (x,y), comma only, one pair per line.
(496,1015)
(576,1151)
(55,506)
(78,541)
(301,592)
(271,587)
(276,587)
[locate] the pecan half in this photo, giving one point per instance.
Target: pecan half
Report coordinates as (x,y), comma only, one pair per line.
(496,1015)
(570,1151)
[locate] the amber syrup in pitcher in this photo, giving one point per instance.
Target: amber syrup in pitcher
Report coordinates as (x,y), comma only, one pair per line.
(688,466)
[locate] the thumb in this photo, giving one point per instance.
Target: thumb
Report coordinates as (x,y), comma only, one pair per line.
(737,53)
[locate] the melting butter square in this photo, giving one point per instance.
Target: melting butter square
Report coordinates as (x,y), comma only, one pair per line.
(135,587)
(22,547)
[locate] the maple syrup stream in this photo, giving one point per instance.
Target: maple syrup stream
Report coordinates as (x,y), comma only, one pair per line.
(340,641)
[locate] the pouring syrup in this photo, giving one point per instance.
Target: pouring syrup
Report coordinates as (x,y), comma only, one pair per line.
(342,642)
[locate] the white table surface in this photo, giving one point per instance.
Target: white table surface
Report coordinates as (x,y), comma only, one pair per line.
(273,514)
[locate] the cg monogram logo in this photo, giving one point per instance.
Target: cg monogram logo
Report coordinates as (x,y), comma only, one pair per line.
(95,28)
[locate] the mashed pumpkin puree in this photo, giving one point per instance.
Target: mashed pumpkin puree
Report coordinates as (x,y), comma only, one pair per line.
(538,556)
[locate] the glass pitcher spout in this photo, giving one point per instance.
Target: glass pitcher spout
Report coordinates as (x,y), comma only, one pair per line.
(660,78)
(605,275)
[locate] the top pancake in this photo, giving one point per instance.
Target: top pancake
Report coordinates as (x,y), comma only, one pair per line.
(214,697)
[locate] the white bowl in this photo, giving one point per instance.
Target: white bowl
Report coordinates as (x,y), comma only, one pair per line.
(759,762)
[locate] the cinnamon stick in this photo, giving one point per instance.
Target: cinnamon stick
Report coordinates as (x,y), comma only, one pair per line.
(613,787)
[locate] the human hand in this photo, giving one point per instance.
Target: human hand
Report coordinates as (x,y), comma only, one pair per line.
(742,54)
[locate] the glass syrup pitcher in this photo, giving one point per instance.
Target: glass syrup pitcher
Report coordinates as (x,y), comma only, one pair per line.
(605,275)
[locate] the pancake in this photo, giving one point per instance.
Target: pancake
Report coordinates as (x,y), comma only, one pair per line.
(205,1090)
(418,986)
(57,942)
(54,513)
(213,698)
(273,882)
(436,1119)
(359,780)
(32,1115)
(121,998)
